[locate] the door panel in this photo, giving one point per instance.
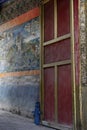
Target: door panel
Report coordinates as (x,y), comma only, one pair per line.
(63,19)
(49,21)
(64,95)
(56,62)
(49,94)
(57,52)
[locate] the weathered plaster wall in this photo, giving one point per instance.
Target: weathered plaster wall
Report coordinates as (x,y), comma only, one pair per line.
(19,94)
(83,43)
(19,57)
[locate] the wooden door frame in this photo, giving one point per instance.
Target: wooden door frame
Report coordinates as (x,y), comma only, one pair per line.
(75,93)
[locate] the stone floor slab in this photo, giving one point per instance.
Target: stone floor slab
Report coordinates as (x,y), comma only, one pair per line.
(9,121)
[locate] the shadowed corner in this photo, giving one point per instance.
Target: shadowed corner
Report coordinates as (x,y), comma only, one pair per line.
(0,8)
(3,1)
(1,4)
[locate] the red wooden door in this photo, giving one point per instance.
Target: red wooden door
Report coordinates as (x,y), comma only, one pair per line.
(57,63)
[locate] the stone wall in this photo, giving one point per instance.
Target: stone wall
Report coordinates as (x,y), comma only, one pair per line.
(83,51)
(83,43)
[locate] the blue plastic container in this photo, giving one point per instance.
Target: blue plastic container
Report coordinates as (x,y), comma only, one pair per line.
(37,113)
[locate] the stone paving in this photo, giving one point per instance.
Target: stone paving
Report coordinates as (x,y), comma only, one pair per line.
(9,121)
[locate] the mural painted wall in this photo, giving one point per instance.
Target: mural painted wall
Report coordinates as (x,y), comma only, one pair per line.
(19,47)
(20,63)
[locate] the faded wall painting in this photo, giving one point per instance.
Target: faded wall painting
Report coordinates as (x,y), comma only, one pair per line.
(19,47)
(19,94)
